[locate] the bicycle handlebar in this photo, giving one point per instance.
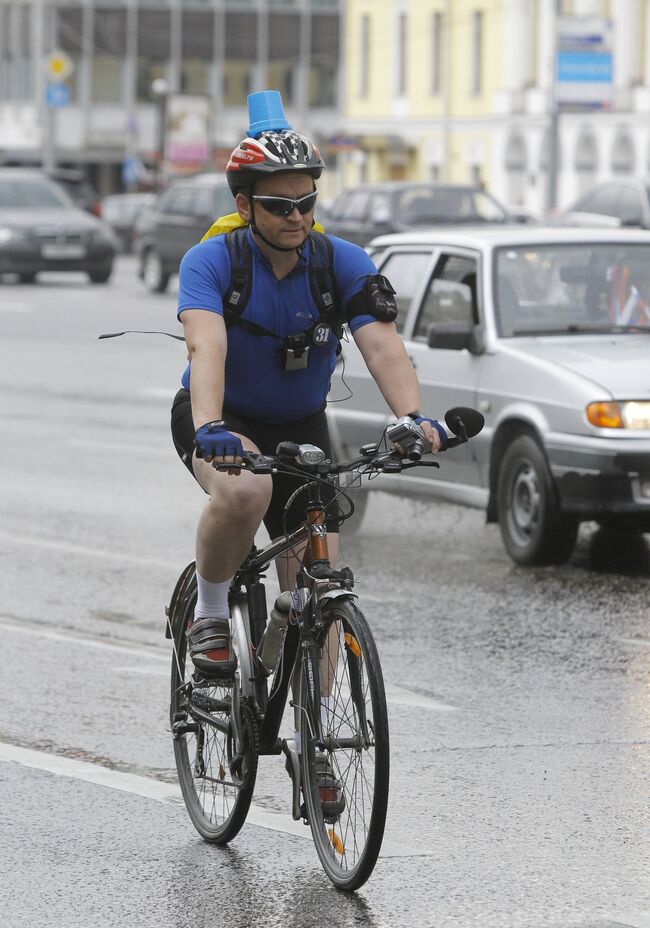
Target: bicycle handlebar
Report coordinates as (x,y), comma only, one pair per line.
(463,422)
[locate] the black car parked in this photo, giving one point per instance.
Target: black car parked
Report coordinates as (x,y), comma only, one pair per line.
(41,229)
(361,213)
(179,219)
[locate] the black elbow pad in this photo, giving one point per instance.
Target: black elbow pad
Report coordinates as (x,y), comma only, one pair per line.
(376,298)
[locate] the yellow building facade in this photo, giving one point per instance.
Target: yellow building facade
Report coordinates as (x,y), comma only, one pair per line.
(464,91)
(420,78)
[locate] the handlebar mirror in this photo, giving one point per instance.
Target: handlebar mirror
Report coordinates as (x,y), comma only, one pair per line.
(464,421)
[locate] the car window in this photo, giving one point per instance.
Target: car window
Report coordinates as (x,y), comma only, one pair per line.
(405,269)
(487,209)
(336,209)
(451,294)
(603,200)
(224,202)
(630,209)
(180,203)
(546,289)
(380,207)
(357,206)
(27,193)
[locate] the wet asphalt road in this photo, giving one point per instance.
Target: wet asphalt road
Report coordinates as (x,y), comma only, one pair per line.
(519,699)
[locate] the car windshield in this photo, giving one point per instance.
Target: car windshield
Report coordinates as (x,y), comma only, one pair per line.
(544,290)
(20,193)
(430,205)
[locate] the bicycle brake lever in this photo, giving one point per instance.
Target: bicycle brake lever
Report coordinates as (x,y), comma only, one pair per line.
(262,465)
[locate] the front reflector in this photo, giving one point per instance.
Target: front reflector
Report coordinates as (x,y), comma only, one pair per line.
(336,842)
(605,415)
(353,644)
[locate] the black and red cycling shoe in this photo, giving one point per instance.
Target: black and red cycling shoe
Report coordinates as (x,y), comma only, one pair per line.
(211,648)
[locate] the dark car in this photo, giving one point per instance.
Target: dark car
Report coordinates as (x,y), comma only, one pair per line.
(121,212)
(361,213)
(625,200)
(78,188)
(41,229)
(179,219)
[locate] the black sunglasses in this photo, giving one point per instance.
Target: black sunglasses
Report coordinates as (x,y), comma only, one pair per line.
(283,206)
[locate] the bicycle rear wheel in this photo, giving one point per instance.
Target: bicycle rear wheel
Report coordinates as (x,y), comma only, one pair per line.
(217,798)
(355,730)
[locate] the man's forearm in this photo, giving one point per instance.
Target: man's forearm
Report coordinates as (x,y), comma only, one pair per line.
(207,385)
(394,374)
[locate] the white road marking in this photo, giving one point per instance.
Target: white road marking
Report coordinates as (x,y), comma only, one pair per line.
(158,791)
(643,642)
(395,694)
(405,697)
(66,547)
(640,920)
(90,641)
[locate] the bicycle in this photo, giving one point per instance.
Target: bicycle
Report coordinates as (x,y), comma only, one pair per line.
(221,727)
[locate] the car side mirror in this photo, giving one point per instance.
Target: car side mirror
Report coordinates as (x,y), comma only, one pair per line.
(454,336)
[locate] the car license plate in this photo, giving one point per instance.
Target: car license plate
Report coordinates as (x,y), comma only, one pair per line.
(55,250)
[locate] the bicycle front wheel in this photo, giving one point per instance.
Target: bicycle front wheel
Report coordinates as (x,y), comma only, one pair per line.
(345,778)
(216,781)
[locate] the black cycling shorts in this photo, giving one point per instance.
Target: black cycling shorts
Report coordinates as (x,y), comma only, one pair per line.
(313,430)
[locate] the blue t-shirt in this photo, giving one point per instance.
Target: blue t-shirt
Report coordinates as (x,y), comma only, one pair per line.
(256,383)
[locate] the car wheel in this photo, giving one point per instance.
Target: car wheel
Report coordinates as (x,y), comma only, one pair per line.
(101,274)
(27,278)
(154,275)
(532,528)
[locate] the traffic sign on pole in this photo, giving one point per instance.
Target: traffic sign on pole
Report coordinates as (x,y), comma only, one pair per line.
(57,94)
(58,66)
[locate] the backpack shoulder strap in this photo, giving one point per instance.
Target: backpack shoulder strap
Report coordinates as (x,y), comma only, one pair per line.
(323,281)
(241,275)
(240,284)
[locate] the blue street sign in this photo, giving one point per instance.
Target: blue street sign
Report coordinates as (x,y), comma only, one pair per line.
(57,94)
(585,67)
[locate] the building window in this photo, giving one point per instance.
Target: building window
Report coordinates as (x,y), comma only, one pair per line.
(364,57)
(197,51)
(324,62)
(154,50)
(436,52)
(402,53)
(109,43)
(477,52)
(68,36)
(284,52)
(241,56)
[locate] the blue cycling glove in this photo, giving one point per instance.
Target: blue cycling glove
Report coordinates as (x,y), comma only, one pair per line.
(440,429)
(213,440)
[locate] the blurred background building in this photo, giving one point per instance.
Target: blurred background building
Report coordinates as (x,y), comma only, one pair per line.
(459,90)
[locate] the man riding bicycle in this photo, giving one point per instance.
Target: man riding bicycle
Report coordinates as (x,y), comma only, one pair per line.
(262,376)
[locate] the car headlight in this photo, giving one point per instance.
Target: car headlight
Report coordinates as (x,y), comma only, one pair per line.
(631,414)
(7,234)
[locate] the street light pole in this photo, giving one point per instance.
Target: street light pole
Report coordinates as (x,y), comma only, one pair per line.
(160,90)
(554,122)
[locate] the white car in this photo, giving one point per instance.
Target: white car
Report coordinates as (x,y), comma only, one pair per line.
(546,331)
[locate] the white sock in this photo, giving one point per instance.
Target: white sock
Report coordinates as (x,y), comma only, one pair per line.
(211,599)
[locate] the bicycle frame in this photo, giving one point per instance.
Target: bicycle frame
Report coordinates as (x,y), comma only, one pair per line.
(249,682)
